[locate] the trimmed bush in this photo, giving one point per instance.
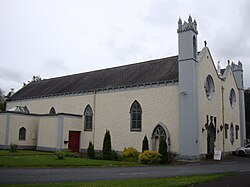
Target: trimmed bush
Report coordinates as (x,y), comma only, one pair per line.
(106,148)
(163,150)
(145,144)
(60,155)
(91,151)
(150,157)
(13,147)
(69,153)
(130,154)
(115,155)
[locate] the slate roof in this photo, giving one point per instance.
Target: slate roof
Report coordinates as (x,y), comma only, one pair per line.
(165,69)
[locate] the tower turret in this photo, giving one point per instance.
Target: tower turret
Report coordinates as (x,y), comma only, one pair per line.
(187,33)
(188,84)
(238,74)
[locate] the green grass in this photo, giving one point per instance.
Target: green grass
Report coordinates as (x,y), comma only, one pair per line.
(36,160)
(157,182)
(24,152)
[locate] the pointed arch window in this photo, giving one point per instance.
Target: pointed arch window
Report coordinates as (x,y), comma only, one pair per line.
(135,117)
(52,111)
(22,133)
(194,47)
(88,118)
(232,134)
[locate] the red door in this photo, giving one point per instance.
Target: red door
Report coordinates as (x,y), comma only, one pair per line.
(74,141)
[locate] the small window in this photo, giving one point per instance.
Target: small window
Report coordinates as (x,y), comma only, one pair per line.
(226,131)
(52,111)
(135,117)
(88,118)
(232,134)
(232,98)
(22,133)
(209,87)
(194,47)
(237,132)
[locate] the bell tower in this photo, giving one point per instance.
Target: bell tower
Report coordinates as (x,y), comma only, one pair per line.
(238,74)
(188,93)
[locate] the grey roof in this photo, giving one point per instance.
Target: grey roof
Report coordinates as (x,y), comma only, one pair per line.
(165,69)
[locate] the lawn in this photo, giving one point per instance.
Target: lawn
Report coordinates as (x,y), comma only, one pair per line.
(24,152)
(157,182)
(45,159)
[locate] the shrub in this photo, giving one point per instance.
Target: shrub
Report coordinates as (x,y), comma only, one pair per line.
(106,148)
(115,155)
(145,144)
(163,150)
(91,151)
(13,147)
(99,155)
(69,153)
(60,154)
(150,157)
(130,154)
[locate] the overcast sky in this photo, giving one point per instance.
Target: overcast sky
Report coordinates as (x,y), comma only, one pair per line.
(52,38)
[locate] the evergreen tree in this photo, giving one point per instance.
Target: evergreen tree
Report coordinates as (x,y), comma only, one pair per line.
(2,101)
(247,112)
(163,150)
(106,148)
(91,151)
(145,144)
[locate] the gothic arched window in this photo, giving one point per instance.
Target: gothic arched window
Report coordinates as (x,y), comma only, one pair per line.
(88,118)
(52,111)
(232,98)
(209,87)
(232,134)
(194,47)
(22,133)
(135,117)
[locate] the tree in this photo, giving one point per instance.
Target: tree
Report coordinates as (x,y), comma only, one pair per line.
(247,112)
(2,101)
(106,148)
(163,150)
(91,151)
(145,144)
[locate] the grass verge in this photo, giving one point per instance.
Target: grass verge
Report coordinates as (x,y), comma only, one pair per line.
(157,182)
(26,161)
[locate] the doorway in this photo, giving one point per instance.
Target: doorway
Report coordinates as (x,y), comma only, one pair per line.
(74,141)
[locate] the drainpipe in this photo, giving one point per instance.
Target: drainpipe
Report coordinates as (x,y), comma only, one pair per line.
(223,120)
(94,103)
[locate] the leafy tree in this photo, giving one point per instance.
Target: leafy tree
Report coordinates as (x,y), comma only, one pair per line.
(91,151)
(106,148)
(247,111)
(2,101)
(145,144)
(163,150)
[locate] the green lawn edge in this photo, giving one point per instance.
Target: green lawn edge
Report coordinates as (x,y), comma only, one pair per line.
(179,181)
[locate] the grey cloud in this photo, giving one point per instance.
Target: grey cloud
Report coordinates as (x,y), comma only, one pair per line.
(54,64)
(10,74)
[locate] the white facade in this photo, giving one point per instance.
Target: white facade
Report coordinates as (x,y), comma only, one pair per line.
(192,127)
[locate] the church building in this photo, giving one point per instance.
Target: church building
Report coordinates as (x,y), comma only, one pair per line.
(185,99)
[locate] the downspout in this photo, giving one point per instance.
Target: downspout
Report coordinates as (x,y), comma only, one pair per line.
(223,120)
(94,105)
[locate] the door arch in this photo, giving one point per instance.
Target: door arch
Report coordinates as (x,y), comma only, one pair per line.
(160,131)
